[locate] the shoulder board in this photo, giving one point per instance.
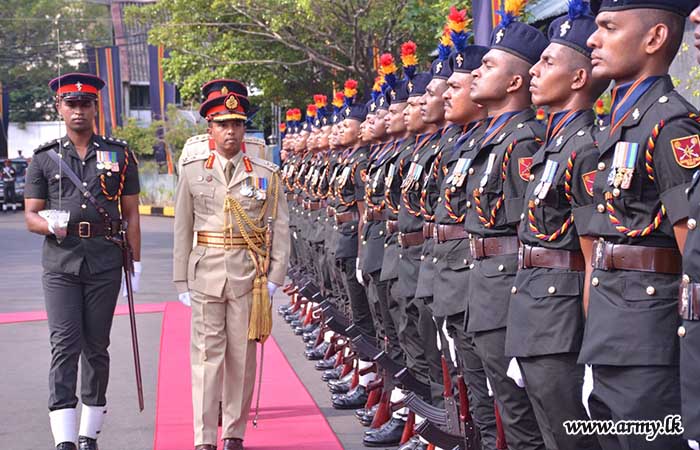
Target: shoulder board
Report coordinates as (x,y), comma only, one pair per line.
(253,140)
(195,149)
(264,163)
(46,145)
(197,138)
(115,141)
(186,159)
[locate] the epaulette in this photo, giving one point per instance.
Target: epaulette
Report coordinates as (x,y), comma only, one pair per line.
(115,141)
(264,163)
(197,138)
(46,145)
(254,140)
(194,156)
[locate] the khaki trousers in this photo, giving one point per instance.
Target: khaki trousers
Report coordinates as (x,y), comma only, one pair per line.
(223,364)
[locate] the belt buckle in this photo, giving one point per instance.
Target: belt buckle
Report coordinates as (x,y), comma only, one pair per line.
(521,257)
(472,247)
(435,233)
(84,226)
(684,305)
(401,240)
(598,254)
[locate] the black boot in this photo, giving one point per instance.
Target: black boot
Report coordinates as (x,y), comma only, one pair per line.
(325,364)
(86,443)
(413,444)
(388,435)
(332,374)
(352,400)
(66,446)
(340,387)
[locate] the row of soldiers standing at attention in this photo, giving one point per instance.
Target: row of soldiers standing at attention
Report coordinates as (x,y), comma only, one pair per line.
(474,245)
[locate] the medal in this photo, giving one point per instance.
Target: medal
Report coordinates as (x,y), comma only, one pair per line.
(246,188)
(547,179)
(389,176)
(623,163)
(487,172)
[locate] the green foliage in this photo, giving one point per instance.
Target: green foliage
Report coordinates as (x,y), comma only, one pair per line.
(178,129)
(29,59)
(141,140)
(288,49)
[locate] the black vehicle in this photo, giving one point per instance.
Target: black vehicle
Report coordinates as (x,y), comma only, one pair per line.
(20,165)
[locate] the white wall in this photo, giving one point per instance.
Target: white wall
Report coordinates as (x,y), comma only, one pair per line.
(31,135)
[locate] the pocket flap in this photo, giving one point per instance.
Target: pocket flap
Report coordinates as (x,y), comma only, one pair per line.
(553,285)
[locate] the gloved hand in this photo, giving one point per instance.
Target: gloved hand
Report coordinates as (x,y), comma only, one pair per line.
(694,445)
(185,299)
(135,279)
(57,230)
(271,288)
(358,272)
(515,374)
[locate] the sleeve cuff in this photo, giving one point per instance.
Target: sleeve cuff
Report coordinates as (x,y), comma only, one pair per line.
(676,202)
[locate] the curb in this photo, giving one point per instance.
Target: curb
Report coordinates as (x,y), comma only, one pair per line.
(164,211)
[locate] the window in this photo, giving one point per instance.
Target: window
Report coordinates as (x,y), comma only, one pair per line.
(139,97)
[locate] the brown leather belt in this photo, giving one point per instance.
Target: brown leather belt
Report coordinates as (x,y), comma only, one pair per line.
(299,199)
(428,230)
(86,230)
(348,216)
(392,226)
(689,300)
(330,211)
(411,239)
(444,233)
(291,196)
(373,215)
(486,247)
(548,258)
(324,203)
(314,206)
(609,256)
(226,241)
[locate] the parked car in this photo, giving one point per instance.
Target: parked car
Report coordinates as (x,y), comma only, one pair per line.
(20,165)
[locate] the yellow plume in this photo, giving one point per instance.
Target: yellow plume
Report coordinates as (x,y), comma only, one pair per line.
(515,7)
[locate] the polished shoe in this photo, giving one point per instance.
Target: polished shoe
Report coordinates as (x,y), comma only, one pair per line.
(233,444)
(312,336)
(332,374)
(296,323)
(388,435)
(362,412)
(413,444)
(86,443)
(205,447)
(368,418)
(292,316)
(66,446)
(340,387)
(298,331)
(352,400)
(317,353)
(326,364)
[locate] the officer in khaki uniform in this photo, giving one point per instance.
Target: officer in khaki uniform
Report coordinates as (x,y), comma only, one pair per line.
(218,191)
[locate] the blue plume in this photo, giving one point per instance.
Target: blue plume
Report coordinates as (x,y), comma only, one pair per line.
(409,72)
(443,52)
(506,18)
(577,8)
(459,40)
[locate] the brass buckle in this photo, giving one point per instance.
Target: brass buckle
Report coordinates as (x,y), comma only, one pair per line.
(84,226)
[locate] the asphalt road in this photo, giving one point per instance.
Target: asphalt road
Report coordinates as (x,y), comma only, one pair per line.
(25,353)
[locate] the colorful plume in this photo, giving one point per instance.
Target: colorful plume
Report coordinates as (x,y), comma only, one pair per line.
(457,23)
(599,107)
(338,100)
(540,114)
(283,127)
(320,101)
(388,69)
(409,60)
(577,8)
(445,45)
(512,9)
(290,115)
(350,89)
(296,114)
(311,111)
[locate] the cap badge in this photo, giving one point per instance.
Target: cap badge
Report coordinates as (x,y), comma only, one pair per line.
(231,102)
(410,86)
(79,86)
(393,95)
(438,67)
(459,59)
(564,28)
(381,101)
(224,90)
(347,111)
(499,35)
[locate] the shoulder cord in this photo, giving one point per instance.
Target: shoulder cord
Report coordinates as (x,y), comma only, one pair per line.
(424,194)
(648,165)
(532,222)
(491,221)
(404,193)
(122,177)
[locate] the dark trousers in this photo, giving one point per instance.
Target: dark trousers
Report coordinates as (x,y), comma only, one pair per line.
(394,309)
(393,348)
(373,297)
(636,393)
(421,342)
(80,311)
(9,192)
(519,423)
(480,404)
(361,314)
(554,384)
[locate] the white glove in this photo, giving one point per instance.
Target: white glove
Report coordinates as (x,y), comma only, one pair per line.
(56,229)
(135,279)
(185,299)
(694,445)
(358,272)
(271,288)
(514,373)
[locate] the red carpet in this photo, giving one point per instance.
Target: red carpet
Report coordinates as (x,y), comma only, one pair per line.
(36,316)
(289,418)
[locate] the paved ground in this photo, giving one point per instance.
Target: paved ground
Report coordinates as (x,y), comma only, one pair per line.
(24,349)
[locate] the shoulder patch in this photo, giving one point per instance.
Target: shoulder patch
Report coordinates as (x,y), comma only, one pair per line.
(524,165)
(686,150)
(588,181)
(46,145)
(116,141)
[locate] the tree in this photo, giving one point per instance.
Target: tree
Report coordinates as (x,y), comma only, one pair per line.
(29,35)
(288,49)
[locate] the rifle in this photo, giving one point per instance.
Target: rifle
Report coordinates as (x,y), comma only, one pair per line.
(435,435)
(412,384)
(128,262)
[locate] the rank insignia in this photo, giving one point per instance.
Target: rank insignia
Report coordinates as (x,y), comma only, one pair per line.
(248,165)
(524,165)
(224,90)
(686,150)
(210,161)
(588,181)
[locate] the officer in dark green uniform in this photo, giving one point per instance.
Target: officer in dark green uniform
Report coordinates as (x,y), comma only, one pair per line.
(545,317)
(82,267)
(498,174)
(647,157)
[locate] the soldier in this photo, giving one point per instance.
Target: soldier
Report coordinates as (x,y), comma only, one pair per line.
(545,316)
(8,184)
(645,162)
(689,306)
(498,174)
(231,201)
(92,178)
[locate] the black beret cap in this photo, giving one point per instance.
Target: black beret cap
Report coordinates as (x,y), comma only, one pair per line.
(681,7)
(417,85)
(574,29)
(521,40)
(441,68)
(356,112)
(468,59)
